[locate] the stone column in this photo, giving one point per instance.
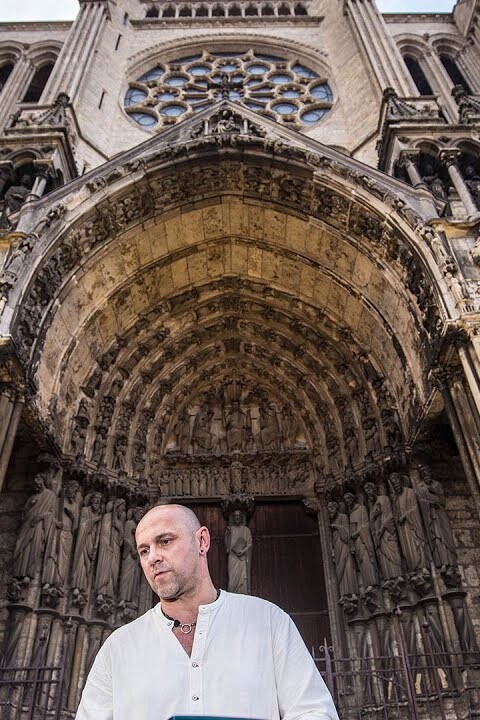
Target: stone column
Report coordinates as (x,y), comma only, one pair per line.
(407,159)
(379,47)
(465,428)
(15,88)
(11,405)
(42,174)
(449,159)
(72,63)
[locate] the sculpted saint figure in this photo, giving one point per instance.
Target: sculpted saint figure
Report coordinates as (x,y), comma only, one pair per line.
(130,574)
(431,497)
(236,426)
(111,538)
(344,564)
(17,194)
(182,432)
(37,536)
(410,528)
(383,532)
(362,539)
(269,430)
(202,437)
(86,546)
(472,181)
(238,544)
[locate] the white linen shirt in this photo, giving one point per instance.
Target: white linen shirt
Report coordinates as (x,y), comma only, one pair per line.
(248,661)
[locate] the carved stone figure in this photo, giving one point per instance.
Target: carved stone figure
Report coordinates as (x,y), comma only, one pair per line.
(433,182)
(202,437)
(383,533)
(17,194)
(110,543)
(37,536)
(15,262)
(85,547)
(472,181)
(236,426)
(289,428)
(363,542)
(432,503)
(269,430)
(410,528)
(130,572)
(238,544)
(181,431)
(343,559)
(70,519)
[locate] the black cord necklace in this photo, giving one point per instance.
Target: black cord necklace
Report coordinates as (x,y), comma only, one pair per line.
(185,628)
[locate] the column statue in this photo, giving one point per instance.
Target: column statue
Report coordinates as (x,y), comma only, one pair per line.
(109,548)
(383,533)
(342,556)
(130,572)
(362,542)
(238,544)
(37,535)
(85,547)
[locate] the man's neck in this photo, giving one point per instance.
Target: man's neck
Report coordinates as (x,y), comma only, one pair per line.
(185,608)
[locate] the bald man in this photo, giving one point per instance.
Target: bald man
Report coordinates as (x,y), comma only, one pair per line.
(200,651)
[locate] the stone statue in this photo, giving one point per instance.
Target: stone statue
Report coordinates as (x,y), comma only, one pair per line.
(410,528)
(202,437)
(383,533)
(472,181)
(85,547)
(181,431)
(269,430)
(236,426)
(433,182)
(17,194)
(238,544)
(342,555)
(70,519)
(37,536)
(109,547)
(362,540)
(431,498)
(289,428)
(131,572)
(411,534)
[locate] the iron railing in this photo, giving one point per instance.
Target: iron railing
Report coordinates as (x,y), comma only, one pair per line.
(428,686)
(31,693)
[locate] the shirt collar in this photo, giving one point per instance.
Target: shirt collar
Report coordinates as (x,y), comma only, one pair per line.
(202,610)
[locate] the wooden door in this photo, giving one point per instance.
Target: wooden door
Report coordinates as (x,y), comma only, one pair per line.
(287,565)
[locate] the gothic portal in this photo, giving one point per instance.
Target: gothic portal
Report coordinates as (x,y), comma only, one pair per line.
(240,270)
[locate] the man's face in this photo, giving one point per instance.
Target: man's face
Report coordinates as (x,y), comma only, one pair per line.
(396,483)
(169,553)
(237,517)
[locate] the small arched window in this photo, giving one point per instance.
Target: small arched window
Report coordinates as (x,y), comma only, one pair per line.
(234,11)
(5,72)
(202,11)
(152,12)
(38,82)
(418,76)
(300,9)
(185,11)
(218,11)
(283,9)
(251,10)
(454,72)
(169,12)
(267,10)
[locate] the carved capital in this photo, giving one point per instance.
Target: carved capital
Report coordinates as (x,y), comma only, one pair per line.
(408,156)
(450,156)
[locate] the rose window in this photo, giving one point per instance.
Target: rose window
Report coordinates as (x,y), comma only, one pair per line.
(287,91)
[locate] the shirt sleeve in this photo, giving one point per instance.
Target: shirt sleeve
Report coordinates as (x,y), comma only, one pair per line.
(97,696)
(301,691)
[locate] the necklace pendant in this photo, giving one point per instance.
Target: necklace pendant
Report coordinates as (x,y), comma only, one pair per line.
(186,628)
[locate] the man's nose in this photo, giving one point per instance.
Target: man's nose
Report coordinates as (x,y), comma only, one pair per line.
(155,556)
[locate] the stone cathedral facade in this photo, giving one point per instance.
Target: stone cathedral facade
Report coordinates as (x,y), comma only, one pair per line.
(240,269)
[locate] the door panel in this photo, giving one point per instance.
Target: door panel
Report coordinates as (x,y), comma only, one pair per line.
(287,564)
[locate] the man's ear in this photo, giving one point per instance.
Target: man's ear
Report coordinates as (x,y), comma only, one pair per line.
(203,540)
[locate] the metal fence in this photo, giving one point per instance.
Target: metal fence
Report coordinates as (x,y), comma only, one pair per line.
(428,686)
(32,693)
